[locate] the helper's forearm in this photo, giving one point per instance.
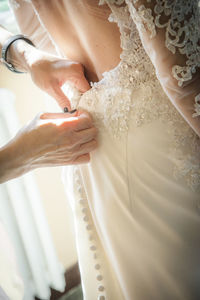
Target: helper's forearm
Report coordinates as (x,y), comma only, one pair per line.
(12,163)
(18,51)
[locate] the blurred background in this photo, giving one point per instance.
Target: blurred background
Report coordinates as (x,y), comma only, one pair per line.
(34,208)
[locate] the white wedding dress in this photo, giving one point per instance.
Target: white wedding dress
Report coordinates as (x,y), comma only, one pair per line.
(136,205)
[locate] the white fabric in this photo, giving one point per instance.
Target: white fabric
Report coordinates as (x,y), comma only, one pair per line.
(10,281)
(3,296)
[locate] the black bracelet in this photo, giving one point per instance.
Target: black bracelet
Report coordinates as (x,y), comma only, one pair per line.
(6,46)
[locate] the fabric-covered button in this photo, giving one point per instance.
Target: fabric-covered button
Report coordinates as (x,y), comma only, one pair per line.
(89,227)
(101,288)
(86,219)
(99,277)
(93,248)
(97,266)
(82,201)
(101,297)
(84,210)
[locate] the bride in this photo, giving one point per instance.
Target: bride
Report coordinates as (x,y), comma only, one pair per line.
(136,205)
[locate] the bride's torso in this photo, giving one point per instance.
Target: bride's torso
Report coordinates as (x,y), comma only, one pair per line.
(83,33)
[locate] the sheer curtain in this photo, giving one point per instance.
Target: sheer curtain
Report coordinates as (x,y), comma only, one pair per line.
(22,214)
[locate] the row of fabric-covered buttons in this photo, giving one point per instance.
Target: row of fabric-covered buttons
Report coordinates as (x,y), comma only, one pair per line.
(91,233)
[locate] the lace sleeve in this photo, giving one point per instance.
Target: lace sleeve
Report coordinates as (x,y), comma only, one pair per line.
(170,33)
(30,25)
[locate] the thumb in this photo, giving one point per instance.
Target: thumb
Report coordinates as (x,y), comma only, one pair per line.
(57,93)
(47,116)
(81,84)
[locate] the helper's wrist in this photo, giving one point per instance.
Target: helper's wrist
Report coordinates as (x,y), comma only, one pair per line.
(11,165)
(20,54)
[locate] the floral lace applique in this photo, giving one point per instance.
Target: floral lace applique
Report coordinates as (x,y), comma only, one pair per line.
(177,26)
(182,32)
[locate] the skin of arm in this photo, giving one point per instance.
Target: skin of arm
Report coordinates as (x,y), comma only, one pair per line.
(48,140)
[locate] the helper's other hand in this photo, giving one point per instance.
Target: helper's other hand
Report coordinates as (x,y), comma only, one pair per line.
(49,140)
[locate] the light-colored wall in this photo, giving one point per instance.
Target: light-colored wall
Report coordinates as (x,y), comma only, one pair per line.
(29,101)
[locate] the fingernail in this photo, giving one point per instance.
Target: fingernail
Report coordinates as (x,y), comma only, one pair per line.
(73,111)
(65,109)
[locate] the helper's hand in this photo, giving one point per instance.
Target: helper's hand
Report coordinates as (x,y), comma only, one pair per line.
(49,140)
(50,73)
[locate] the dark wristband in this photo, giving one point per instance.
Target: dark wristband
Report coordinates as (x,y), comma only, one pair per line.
(6,46)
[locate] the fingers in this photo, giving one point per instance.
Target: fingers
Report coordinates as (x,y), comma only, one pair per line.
(50,116)
(57,93)
(71,123)
(81,84)
(64,153)
(82,159)
(84,121)
(87,147)
(76,121)
(85,136)
(81,115)
(77,77)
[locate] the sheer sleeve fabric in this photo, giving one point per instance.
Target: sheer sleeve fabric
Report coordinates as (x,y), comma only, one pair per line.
(170,33)
(29,23)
